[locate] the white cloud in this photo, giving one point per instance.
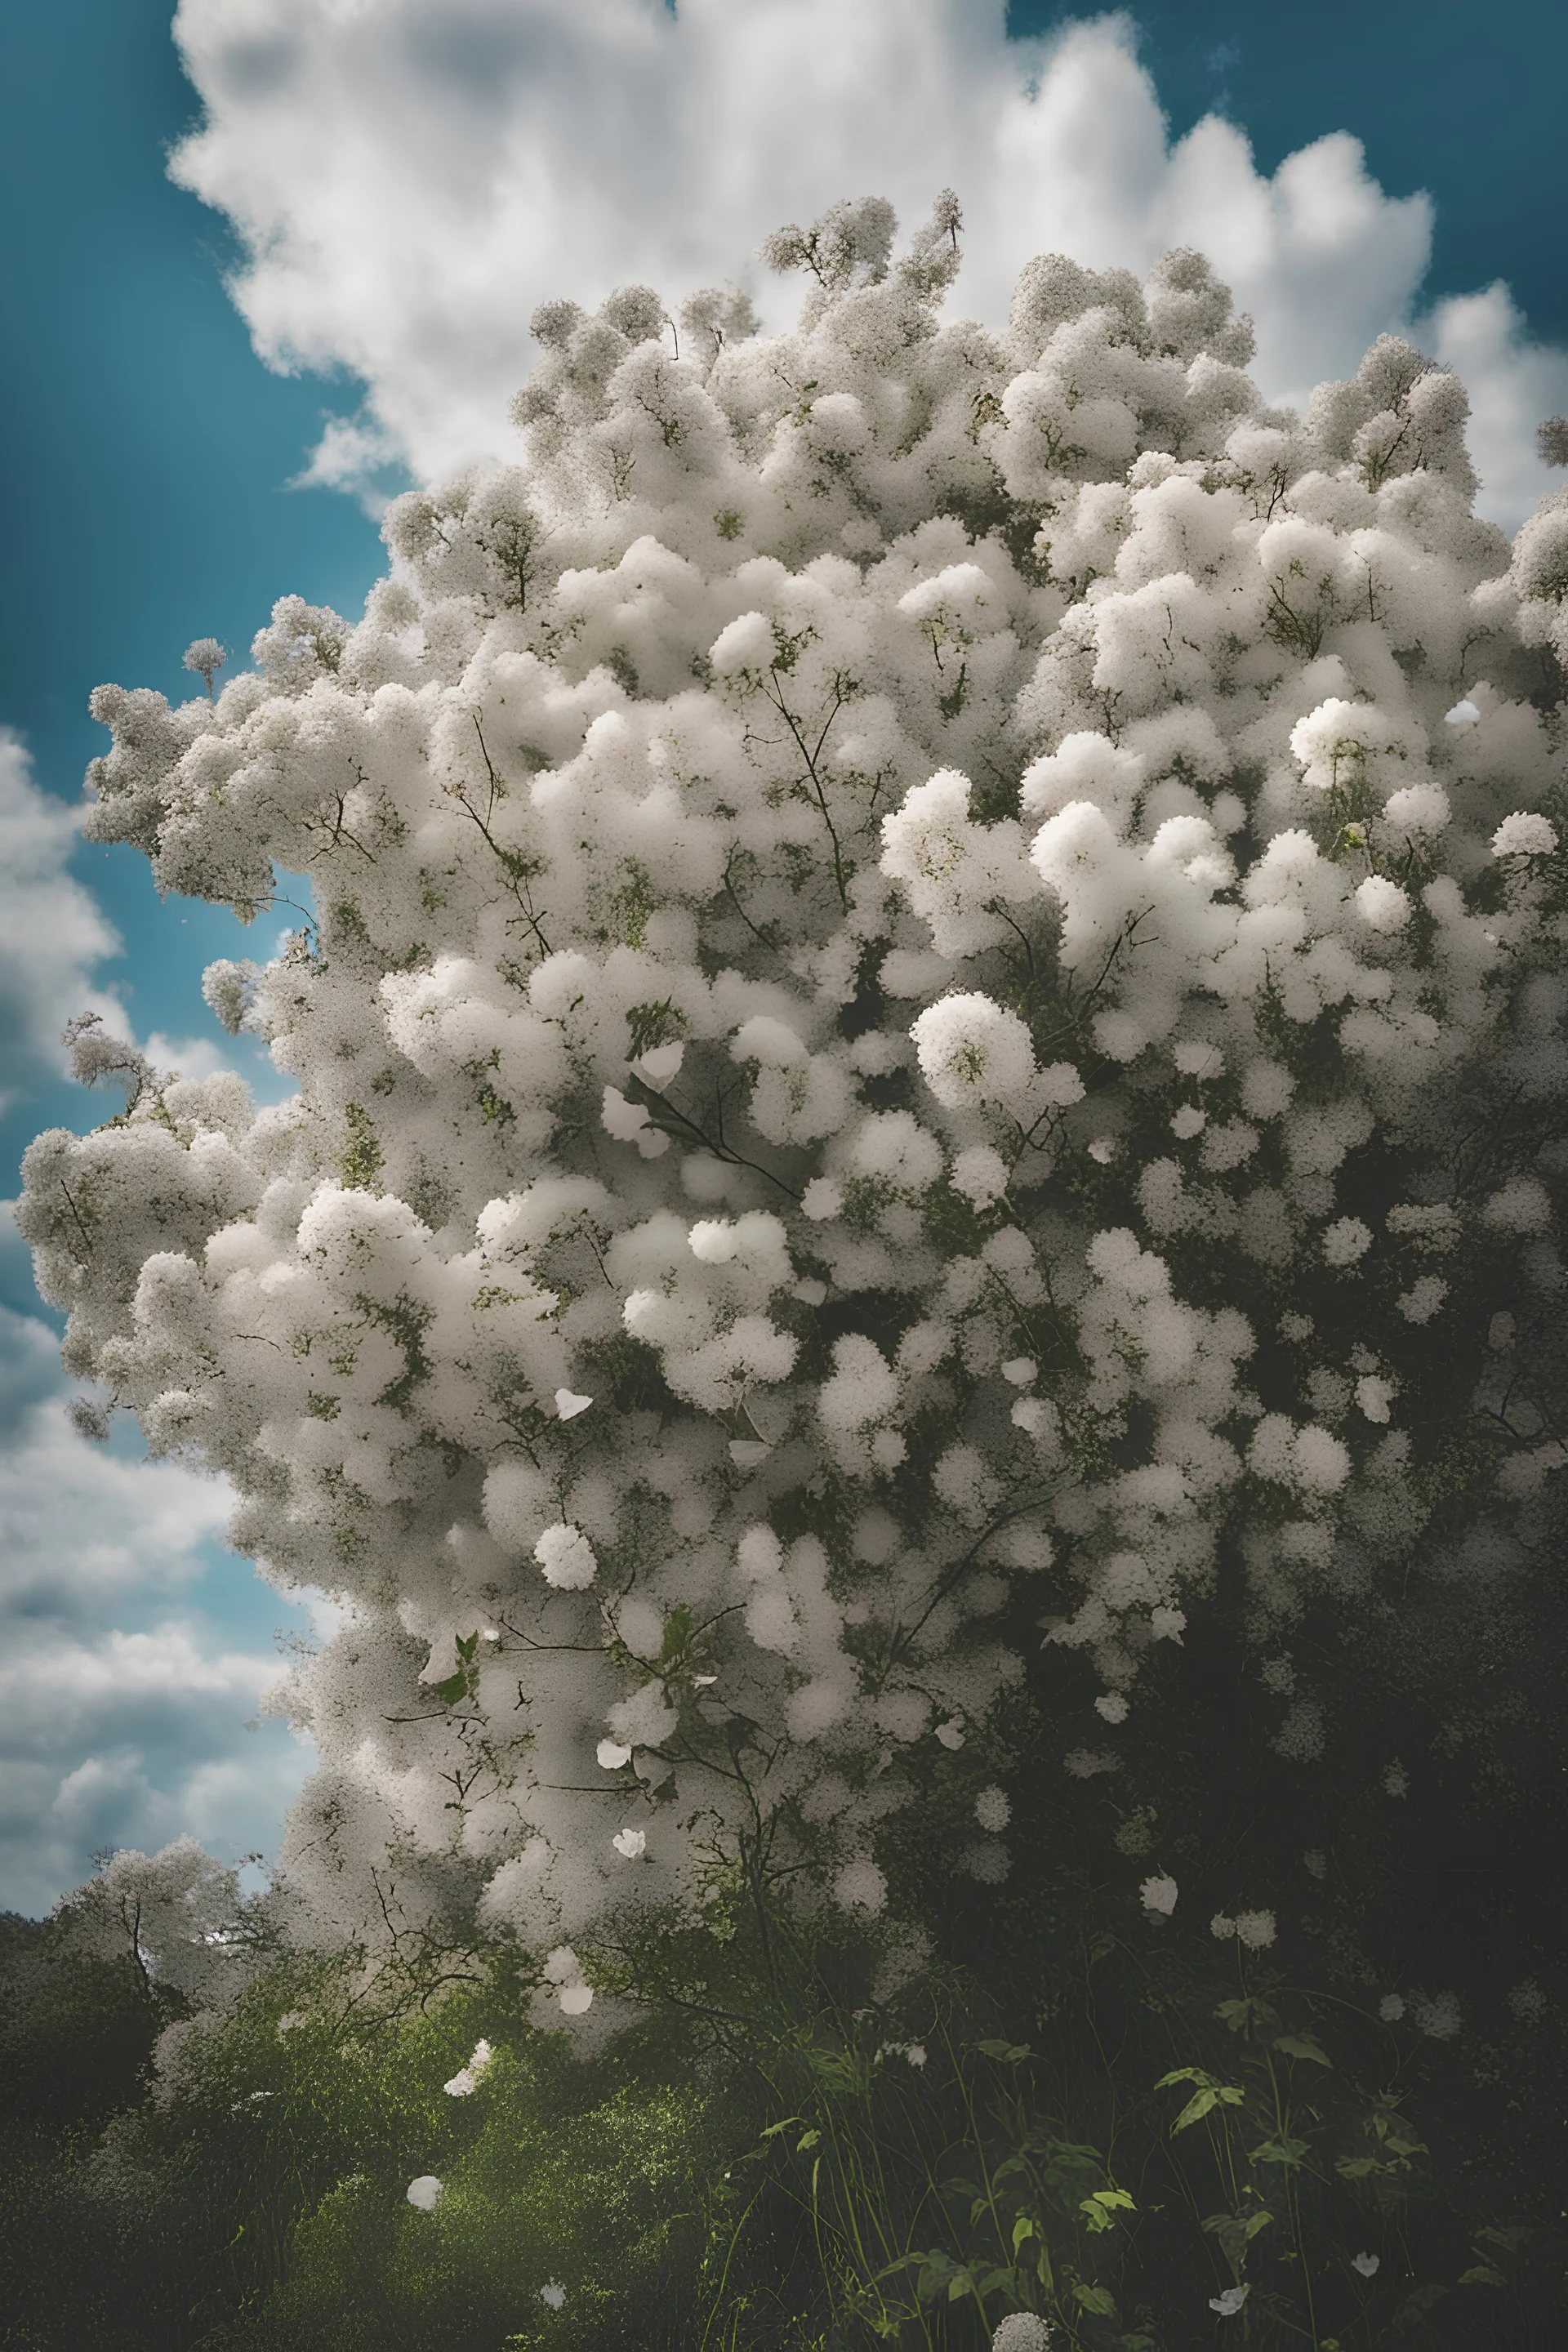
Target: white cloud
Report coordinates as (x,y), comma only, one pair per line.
(411,177)
(52,930)
(1513,382)
(123,1699)
(53,936)
(193,1057)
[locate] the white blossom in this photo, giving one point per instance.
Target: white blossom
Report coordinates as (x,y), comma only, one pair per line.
(206,657)
(566,1557)
(992,1810)
(860,1885)
(1383,906)
(1423,1299)
(1524,835)
(722,1089)
(1159,1895)
(424,2193)
(974,1052)
(980,1174)
(1021,2331)
(1346,1241)
(1436,2015)
(467,2079)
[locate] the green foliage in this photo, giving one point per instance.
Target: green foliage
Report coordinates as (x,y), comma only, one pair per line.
(361,1159)
(1117,2119)
(830,2173)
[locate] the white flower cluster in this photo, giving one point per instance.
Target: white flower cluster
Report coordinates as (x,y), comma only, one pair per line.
(1021,2331)
(1255,1929)
(467,2079)
(899,908)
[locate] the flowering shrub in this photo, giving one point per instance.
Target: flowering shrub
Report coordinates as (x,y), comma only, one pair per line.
(933,1037)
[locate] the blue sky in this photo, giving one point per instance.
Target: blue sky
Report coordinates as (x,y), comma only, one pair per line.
(148,455)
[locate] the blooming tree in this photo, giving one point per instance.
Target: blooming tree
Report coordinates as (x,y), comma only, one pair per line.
(936,1006)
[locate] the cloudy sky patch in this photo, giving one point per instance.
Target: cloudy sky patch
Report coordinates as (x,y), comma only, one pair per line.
(409,180)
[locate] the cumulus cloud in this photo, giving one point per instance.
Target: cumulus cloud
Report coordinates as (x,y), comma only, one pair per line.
(191,1057)
(53,937)
(52,930)
(123,1699)
(410,179)
(1513,382)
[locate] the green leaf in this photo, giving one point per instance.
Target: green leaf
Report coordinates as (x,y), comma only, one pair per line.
(806,2139)
(935,2268)
(1024,2228)
(1415,2306)
(455,1687)
(997,2281)
(1196,2108)
(1357,2167)
(1302,2045)
(1291,2152)
(677,1630)
(1008,2053)
(1239,2015)
(1099,2211)
(1213,2094)
(1481,2274)
(1098,2299)
(773,2130)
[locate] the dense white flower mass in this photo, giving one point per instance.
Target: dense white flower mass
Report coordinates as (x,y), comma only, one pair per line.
(1021,2331)
(903,946)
